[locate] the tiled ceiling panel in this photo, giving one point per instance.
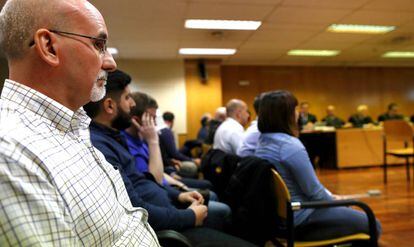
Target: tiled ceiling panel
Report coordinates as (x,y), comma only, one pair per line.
(143,29)
(226,11)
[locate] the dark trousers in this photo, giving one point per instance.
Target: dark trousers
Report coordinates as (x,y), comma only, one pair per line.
(326,223)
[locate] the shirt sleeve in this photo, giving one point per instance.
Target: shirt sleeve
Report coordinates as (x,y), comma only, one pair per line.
(32,212)
(236,140)
(161,217)
(304,175)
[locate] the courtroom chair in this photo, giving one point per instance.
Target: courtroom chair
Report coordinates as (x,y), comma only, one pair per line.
(286,208)
(398,132)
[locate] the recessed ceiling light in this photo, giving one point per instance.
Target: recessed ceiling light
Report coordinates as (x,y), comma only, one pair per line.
(206,51)
(351,28)
(222,24)
(112,50)
(314,53)
(399,54)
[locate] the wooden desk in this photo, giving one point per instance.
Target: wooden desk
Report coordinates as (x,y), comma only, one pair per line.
(361,147)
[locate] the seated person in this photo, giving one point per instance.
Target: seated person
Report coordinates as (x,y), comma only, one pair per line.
(392,113)
(251,135)
(214,123)
(331,119)
(203,132)
(361,117)
(306,119)
(168,208)
(279,145)
(141,143)
(229,134)
(56,189)
(188,165)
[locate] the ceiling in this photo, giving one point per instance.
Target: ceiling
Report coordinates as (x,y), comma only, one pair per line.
(154,29)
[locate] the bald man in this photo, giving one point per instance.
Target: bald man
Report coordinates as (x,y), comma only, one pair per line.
(230,133)
(56,189)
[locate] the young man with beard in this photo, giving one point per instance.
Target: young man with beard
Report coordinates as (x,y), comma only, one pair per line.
(56,188)
(168,208)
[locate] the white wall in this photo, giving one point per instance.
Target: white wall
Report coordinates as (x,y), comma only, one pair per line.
(165,81)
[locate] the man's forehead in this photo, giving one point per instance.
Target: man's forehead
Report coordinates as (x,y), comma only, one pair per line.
(87,16)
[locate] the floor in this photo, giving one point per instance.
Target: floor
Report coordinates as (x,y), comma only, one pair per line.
(394,207)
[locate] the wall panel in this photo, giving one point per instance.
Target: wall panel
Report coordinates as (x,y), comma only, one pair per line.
(201,96)
(343,87)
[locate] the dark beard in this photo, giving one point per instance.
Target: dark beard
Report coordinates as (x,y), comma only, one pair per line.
(122,120)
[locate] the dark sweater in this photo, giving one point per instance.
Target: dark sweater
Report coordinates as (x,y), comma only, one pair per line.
(142,188)
(167,143)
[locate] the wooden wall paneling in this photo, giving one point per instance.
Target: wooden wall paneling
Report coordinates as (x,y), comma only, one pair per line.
(343,87)
(232,90)
(201,96)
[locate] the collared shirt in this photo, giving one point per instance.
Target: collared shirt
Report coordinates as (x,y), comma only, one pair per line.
(250,139)
(56,188)
(229,136)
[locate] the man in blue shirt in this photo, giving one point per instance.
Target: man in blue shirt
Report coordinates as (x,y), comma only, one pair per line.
(147,154)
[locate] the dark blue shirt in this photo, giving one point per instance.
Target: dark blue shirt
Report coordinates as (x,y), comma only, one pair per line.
(142,188)
(167,142)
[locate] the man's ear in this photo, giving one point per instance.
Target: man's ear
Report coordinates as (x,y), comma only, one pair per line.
(47,46)
(109,106)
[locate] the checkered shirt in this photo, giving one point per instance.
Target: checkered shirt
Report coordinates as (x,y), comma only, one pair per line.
(56,189)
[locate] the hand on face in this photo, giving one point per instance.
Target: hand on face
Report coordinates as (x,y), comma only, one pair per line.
(147,129)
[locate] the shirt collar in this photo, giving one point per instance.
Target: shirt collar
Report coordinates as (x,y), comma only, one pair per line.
(25,97)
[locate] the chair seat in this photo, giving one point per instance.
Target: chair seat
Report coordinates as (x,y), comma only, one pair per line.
(402,152)
(353,237)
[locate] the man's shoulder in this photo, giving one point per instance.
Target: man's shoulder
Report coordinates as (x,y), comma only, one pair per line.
(18,125)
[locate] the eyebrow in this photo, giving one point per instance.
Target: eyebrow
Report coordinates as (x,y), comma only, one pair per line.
(102,35)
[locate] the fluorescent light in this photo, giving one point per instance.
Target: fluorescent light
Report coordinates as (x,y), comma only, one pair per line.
(206,51)
(399,54)
(112,50)
(314,53)
(222,24)
(350,28)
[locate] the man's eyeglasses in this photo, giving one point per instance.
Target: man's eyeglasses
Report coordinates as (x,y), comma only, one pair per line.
(98,43)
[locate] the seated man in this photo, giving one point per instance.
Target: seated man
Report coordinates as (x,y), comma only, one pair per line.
(189,166)
(306,119)
(203,131)
(251,137)
(392,113)
(110,115)
(361,117)
(229,134)
(141,139)
(331,119)
(56,188)
(219,116)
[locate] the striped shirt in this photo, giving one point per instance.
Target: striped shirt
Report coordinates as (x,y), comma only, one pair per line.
(56,189)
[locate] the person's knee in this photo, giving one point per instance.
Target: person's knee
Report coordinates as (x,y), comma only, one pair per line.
(219,209)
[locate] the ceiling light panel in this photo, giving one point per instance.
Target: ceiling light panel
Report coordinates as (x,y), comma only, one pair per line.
(206,51)
(222,24)
(351,28)
(313,53)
